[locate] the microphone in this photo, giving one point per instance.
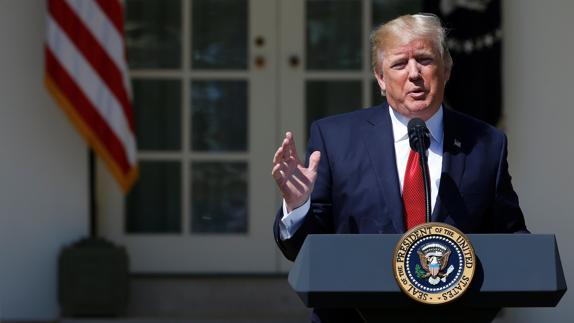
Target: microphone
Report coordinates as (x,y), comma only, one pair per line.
(419,139)
(419,135)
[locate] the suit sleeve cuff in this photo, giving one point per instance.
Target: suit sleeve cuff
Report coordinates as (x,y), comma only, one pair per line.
(291,221)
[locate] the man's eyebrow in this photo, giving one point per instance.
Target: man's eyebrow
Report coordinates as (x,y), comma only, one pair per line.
(396,59)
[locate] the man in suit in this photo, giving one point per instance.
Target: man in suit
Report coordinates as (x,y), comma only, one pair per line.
(357,161)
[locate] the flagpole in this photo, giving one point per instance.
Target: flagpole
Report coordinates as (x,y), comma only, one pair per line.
(92,193)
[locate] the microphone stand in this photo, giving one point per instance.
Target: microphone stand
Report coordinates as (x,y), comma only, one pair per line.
(426,179)
(423,161)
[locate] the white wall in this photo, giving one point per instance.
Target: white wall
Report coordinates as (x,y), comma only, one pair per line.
(539,103)
(43,190)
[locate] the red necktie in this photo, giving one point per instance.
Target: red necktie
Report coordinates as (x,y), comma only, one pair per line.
(414,192)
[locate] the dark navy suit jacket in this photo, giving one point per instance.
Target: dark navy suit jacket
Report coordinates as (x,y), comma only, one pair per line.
(358,191)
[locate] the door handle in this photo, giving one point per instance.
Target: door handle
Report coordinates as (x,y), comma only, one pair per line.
(294,61)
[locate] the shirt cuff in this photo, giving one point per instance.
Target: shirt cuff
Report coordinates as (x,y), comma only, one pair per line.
(291,221)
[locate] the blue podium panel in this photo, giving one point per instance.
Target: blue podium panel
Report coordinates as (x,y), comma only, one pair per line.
(355,271)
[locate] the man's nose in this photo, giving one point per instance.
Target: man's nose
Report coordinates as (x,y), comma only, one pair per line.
(414,70)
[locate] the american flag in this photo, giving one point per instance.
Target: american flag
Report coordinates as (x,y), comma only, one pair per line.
(87,73)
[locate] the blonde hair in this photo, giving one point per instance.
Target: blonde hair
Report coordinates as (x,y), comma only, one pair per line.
(406,29)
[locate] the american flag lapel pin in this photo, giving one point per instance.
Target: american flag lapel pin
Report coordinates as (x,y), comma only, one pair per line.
(457,143)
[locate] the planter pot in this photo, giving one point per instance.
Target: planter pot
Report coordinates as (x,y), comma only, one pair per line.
(93,279)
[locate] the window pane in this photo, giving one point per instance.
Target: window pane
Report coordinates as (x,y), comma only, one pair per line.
(157,111)
(219,115)
(219,197)
(333,35)
(219,34)
(154,204)
(153,33)
(324,98)
(385,10)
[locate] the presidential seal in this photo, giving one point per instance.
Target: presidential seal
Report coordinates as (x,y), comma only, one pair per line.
(434,263)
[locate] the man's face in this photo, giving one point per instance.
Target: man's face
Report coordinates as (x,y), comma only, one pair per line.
(413,76)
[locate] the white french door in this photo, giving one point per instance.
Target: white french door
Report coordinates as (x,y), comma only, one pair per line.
(205,91)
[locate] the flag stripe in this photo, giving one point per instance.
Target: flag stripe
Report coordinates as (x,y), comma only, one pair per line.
(101,27)
(108,35)
(87,74)
(114,12)
(94,53)
(69,89)
(91,85)
(125,179)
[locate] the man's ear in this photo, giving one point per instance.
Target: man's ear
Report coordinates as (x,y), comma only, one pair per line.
(380,79)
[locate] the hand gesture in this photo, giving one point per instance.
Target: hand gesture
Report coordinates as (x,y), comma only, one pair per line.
(295,181)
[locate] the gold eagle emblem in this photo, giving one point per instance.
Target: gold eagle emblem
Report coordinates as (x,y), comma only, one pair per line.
(434,260)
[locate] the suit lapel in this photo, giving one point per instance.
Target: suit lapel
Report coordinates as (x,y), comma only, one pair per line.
(453,162)
(378,136)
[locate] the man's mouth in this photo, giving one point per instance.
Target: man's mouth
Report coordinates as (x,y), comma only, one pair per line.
(417,93)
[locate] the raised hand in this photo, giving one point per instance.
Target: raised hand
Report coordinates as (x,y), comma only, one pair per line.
(295,181)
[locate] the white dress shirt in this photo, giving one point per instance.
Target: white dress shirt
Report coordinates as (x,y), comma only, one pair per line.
(291,221)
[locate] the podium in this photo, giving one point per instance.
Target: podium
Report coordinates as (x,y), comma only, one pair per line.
(355,271)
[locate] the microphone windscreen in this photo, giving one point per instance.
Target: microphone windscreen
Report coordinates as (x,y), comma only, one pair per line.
(418,132)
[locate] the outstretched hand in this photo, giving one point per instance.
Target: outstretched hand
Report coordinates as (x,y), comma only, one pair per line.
(295,181)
